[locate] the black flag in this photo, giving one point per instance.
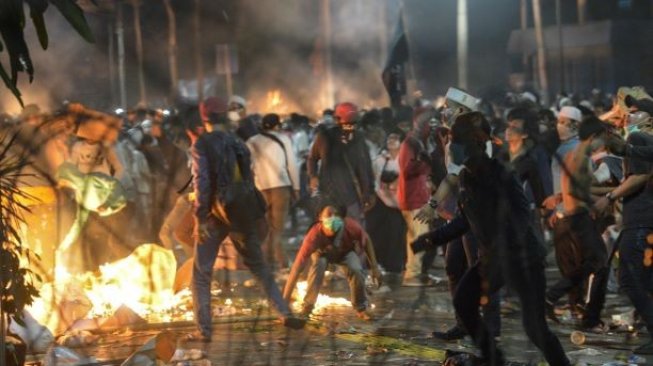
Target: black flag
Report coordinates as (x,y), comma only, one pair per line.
(394,73)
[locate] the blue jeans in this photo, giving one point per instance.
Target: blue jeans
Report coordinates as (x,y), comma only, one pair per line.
(634,275)
(246,242)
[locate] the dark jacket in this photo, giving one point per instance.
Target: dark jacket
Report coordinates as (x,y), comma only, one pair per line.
(341,166)
(216,155)
(494,208)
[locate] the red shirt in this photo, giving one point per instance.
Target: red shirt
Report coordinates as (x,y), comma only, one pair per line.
(413,190)
(352,240)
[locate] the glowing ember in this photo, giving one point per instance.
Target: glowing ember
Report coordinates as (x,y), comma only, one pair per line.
(323,301)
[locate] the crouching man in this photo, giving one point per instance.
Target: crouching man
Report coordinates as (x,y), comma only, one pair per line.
(337,240)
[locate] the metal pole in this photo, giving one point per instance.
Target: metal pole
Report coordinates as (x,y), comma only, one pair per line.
(541,52)
(120,36)
(326,33)
(227,69)
(172,47)
(523,16)
(462,43)
(582,11)
(383,32)
(112,66)
(139,50)
(561,55)
(198,51)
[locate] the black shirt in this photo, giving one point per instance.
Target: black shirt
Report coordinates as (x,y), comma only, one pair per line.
(638,206)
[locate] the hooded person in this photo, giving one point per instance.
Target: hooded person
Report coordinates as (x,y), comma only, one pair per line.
(494,208)
(243,125)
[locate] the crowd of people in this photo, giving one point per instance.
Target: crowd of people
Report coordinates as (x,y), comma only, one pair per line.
(493,184)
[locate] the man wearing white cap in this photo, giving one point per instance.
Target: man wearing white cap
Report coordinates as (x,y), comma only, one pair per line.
(243,125)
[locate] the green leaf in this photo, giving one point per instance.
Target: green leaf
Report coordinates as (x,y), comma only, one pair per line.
(10,85)
(39,24)
(75,16)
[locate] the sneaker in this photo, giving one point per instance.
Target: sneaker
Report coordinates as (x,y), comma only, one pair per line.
(596,327)
(645,349)
(418,282)
(454,333)
(551,312)
(294,322)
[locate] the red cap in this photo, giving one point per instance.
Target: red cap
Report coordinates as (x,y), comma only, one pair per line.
(212,105)
(346,112)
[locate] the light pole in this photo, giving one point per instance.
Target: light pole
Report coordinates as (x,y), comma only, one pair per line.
(462,25)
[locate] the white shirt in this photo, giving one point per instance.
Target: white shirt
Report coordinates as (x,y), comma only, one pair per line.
(270,164)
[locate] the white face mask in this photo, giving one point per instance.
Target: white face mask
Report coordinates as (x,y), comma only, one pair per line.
(233,116)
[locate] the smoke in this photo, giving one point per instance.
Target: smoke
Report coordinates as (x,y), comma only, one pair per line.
(289,54)
(58,69)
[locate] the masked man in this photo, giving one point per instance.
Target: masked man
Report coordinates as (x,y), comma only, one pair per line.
(494,208)
(336,240)
(339,164)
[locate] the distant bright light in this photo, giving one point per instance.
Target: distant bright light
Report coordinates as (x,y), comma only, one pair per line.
(119,111)
(166,112)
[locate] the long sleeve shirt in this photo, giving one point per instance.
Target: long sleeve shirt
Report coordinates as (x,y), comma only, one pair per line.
(353,239)
(340,167)
(219,159)
(413,191)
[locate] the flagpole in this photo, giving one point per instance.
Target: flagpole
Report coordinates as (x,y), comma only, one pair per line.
(408,40)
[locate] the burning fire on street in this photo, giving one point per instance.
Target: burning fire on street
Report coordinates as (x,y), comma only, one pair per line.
(141,285)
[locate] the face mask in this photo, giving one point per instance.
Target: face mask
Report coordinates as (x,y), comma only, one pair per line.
(542,128)
(632,129)
(458,154)
(233,116)
(333,223)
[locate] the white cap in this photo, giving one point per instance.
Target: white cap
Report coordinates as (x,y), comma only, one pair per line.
(460,97)
(237,99)
(529,96)
(572,113)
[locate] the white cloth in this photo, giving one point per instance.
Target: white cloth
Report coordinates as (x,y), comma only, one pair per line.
(270,164)
(300,145)
(386,192)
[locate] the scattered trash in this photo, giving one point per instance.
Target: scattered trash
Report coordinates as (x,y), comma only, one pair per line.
(203,362)
(159,348)
(37,337)
(389,315)
(577,338)
(77,338)
(188,355)
(63,356)
(624,319)
(376,350)
(584,352)
(344,355)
